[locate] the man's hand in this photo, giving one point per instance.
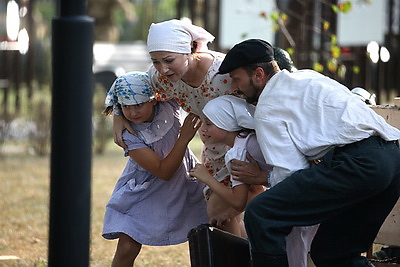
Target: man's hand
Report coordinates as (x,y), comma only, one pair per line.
(248,172)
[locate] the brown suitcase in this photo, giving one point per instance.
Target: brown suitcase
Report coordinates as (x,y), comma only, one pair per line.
(212,247)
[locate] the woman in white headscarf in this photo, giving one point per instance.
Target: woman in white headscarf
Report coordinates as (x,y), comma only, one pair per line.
(185,69)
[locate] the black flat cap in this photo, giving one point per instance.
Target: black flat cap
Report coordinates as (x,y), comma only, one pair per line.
(247,52)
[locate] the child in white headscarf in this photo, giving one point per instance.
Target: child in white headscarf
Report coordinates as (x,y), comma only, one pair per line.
(154,202)
(229,120)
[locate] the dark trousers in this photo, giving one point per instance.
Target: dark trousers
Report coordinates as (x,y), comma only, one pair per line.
(349,193)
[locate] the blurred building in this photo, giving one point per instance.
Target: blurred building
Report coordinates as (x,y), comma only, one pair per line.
(367,36)
(306,27)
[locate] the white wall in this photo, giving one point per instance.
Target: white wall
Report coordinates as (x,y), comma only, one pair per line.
(364,23)
(240,20)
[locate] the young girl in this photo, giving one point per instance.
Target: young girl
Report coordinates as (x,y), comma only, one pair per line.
(153,203)
(228,120)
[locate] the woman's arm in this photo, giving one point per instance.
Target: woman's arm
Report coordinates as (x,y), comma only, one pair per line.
(236,196)
(166,167)
(119,124)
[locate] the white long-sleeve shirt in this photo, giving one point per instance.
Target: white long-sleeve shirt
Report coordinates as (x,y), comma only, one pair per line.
(301,115)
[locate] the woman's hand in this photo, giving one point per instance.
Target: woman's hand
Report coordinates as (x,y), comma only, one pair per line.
(248,172)
(120,123)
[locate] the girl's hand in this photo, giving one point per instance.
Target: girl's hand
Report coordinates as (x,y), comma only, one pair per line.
(120,123)
(200,172)
(224,217)
(190,126)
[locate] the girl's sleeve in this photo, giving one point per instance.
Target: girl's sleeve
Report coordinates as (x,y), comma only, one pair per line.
(132,141)
(254,149)
(238,153)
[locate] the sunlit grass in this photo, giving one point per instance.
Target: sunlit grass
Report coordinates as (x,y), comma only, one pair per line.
(24,211)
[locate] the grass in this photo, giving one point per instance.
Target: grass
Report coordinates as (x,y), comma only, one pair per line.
(24,215)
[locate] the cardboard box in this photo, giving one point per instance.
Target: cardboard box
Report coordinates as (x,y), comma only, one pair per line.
(389,233)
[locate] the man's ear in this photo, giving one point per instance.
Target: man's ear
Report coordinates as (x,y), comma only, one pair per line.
(258,75)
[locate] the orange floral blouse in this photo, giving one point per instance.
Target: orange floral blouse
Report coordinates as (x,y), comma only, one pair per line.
(193,99)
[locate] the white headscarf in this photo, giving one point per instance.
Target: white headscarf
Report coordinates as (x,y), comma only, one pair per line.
(177,36)
(230,113)
(132,88)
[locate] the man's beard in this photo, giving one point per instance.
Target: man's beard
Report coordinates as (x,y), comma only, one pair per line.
(253,98)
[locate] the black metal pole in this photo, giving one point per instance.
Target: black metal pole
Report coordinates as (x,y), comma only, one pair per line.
(72,93)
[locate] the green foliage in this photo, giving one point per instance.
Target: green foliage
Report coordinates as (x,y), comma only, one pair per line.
(318,67)
(335,51)
(290,50)
(43,13)
(34,119)
(326,25)
(356,69)
(345,7)
(40,114)
(333,63)
(46,9)
(102,125)
(41,263)
(277,17)
(147,12)
(167,9)
(30,124)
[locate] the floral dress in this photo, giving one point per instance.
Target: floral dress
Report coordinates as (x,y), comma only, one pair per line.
(193,99)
